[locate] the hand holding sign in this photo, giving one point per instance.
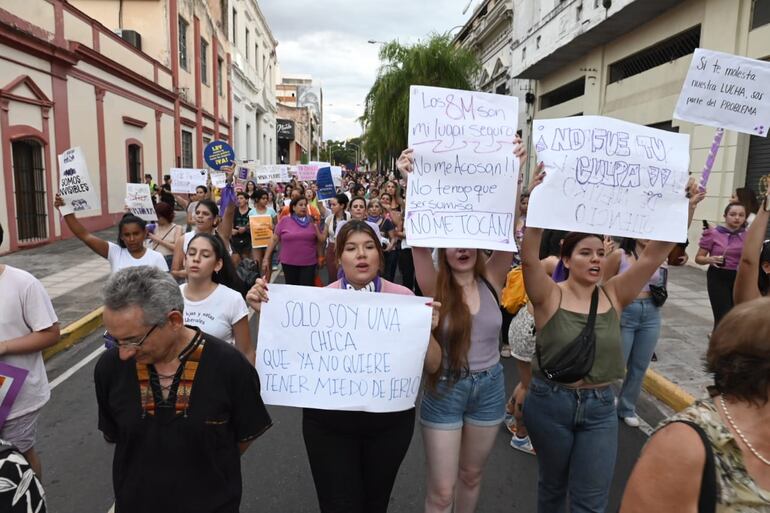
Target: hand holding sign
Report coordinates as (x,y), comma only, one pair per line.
(75,185)
(362,351)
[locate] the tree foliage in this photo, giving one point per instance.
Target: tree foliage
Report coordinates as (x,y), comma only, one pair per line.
(436,62)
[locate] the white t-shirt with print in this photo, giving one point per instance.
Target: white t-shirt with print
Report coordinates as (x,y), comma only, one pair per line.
(25,307)
(120,258)
(216,314)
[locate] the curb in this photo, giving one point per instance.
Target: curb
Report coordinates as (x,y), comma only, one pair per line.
(75,332)
(666,391)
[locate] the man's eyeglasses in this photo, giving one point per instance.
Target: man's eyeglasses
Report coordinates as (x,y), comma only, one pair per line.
(110,341)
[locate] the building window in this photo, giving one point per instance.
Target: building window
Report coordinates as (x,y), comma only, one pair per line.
(206,141)
(223,14)
(30,189)
(236,133)
(235,27)
(760,14)
(256,54)
(537,42)
(661,53)
(564,93)
(221,76)
(204,61)
(246,44)
(183,43)
(248,141)
(134,163)
(524,53)
(187,149)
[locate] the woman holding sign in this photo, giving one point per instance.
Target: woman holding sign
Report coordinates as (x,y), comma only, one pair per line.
(720,248)
(464,402)
(355,455)
(569,409)
(130,250)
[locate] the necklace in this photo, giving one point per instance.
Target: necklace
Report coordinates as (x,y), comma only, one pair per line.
(740,434)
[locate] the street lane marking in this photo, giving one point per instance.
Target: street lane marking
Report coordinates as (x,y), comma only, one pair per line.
(72,370)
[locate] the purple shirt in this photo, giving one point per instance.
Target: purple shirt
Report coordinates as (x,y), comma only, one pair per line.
(720,241)
(298,244)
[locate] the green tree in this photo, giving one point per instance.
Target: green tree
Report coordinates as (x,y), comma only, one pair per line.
(436,62)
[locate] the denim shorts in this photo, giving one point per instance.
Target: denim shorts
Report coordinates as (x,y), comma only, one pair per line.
(477,399)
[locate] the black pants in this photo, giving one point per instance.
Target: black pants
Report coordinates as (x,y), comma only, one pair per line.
(507,319)
(299,274)
(355,456)
(406,266)
(719,283)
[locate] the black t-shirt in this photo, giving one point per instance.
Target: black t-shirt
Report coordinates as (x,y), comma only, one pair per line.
(186,461)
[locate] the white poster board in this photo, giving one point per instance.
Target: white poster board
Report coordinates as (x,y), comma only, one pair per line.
(185,180)
(611,177)
(727,91)
(337,175)
(218,179)
(342,350)
(75,186)
(462,191)
(139,201)
(275,174)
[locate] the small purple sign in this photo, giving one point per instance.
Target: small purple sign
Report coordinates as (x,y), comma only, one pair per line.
(11,380)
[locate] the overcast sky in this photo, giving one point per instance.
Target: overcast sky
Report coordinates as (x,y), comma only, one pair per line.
(328,40)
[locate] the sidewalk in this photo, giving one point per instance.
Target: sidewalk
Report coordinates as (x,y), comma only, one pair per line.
(687,322)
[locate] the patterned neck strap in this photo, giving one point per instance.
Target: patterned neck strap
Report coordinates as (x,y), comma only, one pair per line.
(373,286)
(181,386)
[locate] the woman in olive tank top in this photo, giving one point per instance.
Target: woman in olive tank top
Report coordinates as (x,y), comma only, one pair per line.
(574,426)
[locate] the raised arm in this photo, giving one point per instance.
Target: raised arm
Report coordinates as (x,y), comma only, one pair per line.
(540,287)
(626,286)
(424,271)
(746,280)
(97,245)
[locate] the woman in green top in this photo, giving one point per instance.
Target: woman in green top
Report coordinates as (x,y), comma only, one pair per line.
(574,426)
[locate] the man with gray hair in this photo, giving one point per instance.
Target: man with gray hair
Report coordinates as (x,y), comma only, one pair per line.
(179,405)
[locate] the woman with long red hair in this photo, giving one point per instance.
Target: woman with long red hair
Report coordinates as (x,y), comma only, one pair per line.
(464,400)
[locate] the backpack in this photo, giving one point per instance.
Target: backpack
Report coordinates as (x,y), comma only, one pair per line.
(514,296)
(248,271)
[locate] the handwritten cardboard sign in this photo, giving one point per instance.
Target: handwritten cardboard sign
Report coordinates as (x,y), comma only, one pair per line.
(272,173)
(218,154)
(342,350)
(462,191)
(728,91)
(307,173)
(218,179)
(139,201)
(337,175)
(611,177)
(185,180)
(75,186)
(261,227)
(11,380)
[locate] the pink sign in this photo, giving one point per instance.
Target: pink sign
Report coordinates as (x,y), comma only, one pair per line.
(307,173)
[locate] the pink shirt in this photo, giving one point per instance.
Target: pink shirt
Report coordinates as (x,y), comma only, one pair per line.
(298,244)
(387,287)
(720,241)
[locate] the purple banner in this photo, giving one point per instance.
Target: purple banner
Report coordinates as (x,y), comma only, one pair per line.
(11,380)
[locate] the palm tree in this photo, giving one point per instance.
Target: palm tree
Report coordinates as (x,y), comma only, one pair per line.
(436,62)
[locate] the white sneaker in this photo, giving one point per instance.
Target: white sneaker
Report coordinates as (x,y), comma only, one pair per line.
(522,444)
(631,421)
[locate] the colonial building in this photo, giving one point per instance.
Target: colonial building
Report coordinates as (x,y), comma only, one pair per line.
(628,59)
(253,76)
(68,80)
(488,34)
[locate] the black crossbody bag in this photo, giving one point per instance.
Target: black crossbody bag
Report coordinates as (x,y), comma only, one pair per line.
(574,361)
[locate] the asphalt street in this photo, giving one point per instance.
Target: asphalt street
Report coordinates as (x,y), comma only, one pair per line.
(77,462)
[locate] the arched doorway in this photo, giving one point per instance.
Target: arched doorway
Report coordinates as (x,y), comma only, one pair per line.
(29,180)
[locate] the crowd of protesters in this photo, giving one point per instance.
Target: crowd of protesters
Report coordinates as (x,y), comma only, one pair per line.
(176,312)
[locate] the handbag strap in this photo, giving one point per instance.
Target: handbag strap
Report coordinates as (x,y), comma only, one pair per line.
(707,501)
(592,313)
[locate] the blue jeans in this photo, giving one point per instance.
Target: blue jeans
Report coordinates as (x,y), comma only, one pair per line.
(640,328)
(575,435)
